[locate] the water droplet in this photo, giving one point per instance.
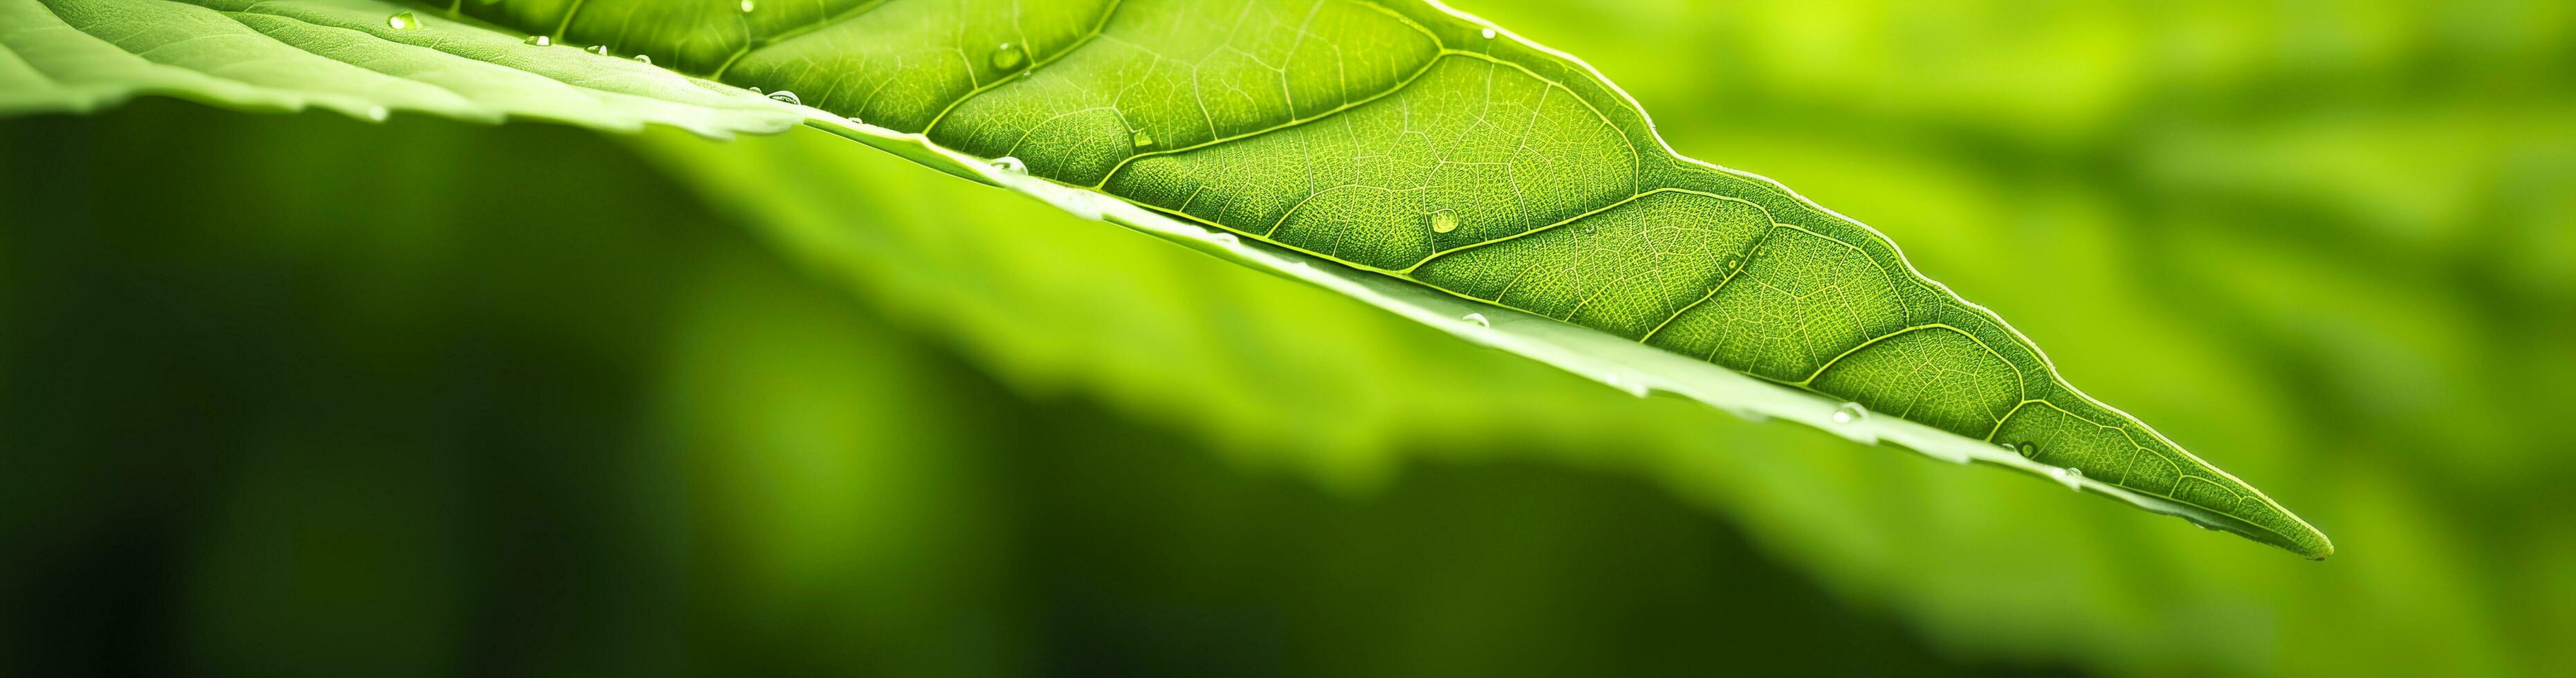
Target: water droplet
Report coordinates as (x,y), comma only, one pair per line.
(1008,57)
(754,90)
(1489,34)
(1589,229)
(643,59)
(2028,450)
(1011,165)
(540,41)
(786,96)
(2072,478)
(1443,221)
(403,21)
(856,121)
(377,113)
(601,50)
(1224,238)
(746,6)
(1850,412)
(1478,319)
(1143,139)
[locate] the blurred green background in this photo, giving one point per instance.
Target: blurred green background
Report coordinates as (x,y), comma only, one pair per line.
(299,395)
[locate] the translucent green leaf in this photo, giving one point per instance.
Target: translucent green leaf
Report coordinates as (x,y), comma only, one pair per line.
(364,59)
(1353,145)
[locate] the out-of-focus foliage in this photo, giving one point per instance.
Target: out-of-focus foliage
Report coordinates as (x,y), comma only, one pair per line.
(516,406)
(2329,239)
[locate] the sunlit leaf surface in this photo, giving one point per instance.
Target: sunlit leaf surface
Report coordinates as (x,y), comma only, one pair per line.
(365,59)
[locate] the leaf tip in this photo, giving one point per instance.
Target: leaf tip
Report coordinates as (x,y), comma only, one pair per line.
(2305,540)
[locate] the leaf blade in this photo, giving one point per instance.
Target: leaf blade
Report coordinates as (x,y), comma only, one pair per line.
(1901,317)
(1481,167)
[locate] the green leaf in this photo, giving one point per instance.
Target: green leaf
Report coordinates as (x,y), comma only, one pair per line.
(350,57)
(1347,144)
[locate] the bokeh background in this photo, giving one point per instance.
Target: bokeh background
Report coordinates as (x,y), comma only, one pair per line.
(300,395)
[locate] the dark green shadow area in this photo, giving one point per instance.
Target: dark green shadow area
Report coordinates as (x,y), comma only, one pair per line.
(302,396)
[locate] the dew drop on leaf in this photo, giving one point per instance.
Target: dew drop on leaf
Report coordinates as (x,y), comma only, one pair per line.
(1011,165)
(2072,478)
(2028,450)
(539,40)
(377,113)
(646,60)
(746,6)
(601,50)
(1443,222)
(786,96)
(1850,412)
(1008,57)
(1489,34)
(1143,139)
(403,21)
(1478,319)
